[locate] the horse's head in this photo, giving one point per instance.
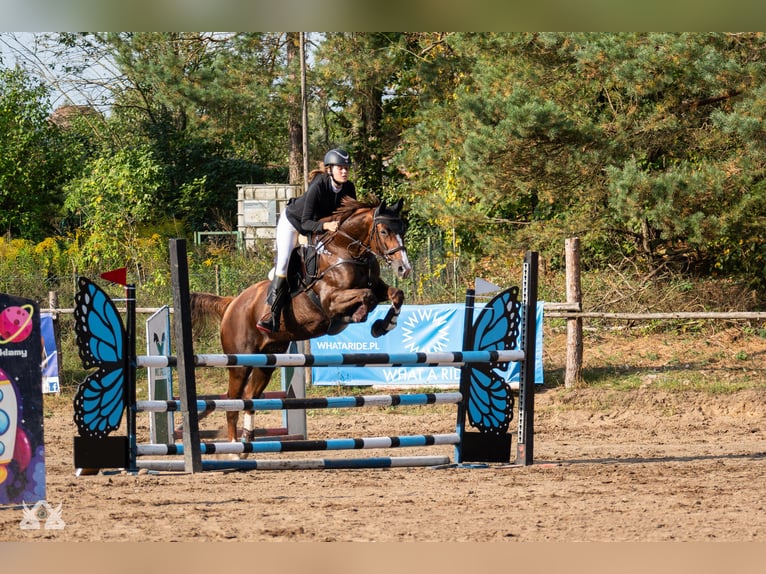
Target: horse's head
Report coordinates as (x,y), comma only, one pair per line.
(387,237)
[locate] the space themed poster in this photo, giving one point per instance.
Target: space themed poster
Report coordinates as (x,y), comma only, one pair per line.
(22,454)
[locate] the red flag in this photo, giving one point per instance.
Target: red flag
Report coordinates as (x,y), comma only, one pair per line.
(119,276)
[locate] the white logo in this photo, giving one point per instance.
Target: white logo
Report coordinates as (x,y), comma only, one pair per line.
(433,331)
(42,512)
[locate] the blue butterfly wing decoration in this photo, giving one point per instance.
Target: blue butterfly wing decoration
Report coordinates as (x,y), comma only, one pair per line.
(100,400)
(490,400)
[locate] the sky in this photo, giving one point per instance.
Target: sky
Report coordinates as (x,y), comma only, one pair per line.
(20,46)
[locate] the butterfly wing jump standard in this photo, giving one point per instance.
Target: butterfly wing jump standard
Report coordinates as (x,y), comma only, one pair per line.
(488,399)
(100,400)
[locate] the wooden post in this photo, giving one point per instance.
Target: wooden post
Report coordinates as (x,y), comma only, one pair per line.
(573,373)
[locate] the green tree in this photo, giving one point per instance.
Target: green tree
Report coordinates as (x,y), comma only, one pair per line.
(354,76)
(36,158)
(642,144)
(113,198)
(205,103)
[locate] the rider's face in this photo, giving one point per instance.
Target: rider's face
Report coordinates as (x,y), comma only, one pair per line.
(340,173)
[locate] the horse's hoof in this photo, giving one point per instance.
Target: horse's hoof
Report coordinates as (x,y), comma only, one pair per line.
(378,329)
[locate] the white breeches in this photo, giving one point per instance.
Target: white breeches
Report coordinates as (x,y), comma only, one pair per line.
(287,239)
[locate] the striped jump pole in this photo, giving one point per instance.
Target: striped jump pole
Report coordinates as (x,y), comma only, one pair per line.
(283,431)
(304,445)
(301,464)
(446,359)
(308,403)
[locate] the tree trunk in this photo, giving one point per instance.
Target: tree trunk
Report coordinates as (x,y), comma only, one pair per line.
(295,109)
(373,116)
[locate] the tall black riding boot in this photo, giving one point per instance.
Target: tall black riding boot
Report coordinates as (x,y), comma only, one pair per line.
(281,293)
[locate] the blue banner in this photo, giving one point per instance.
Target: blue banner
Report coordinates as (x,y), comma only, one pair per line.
(420,329)
(50,362)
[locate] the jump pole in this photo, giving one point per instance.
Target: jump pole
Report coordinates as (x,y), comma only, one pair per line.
(301,464)
(526,430)
(179,275)
(430,359)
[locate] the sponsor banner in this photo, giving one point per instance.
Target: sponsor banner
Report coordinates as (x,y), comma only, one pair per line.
(160,379)
(50,363)
(420,329)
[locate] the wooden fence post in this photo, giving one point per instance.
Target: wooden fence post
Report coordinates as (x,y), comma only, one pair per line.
(573,373)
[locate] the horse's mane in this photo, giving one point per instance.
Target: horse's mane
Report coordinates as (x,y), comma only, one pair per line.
(349,206)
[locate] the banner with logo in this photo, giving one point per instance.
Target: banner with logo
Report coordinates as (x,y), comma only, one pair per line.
(420,328)
(161,425)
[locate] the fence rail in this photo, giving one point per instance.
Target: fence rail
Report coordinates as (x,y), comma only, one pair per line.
(556,311)
(728,315)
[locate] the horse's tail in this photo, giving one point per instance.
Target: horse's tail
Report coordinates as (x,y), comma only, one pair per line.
(206,306)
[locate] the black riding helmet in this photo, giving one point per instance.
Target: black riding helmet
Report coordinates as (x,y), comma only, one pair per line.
(337,156)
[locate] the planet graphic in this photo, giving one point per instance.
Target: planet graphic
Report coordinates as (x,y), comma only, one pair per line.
(15,324)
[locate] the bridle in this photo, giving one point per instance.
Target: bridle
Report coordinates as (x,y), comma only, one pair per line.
(374,246)
(365,251)
(391,223)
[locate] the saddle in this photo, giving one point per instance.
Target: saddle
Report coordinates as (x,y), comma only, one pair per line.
(302,270)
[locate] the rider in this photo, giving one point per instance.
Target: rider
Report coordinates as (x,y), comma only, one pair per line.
(302,214)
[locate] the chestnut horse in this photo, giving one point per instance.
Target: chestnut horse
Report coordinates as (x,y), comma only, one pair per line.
(345,286)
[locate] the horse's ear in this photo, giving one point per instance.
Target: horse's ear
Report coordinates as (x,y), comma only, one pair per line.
(397,207)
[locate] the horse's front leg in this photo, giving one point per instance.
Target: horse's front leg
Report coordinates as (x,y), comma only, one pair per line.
(354,304)
(388,323)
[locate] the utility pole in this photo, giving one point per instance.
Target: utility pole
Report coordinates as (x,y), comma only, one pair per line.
(305,112)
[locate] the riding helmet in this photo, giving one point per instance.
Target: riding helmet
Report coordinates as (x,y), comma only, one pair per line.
(337,156)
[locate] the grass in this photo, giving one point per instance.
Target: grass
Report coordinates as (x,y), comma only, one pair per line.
(673,379)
